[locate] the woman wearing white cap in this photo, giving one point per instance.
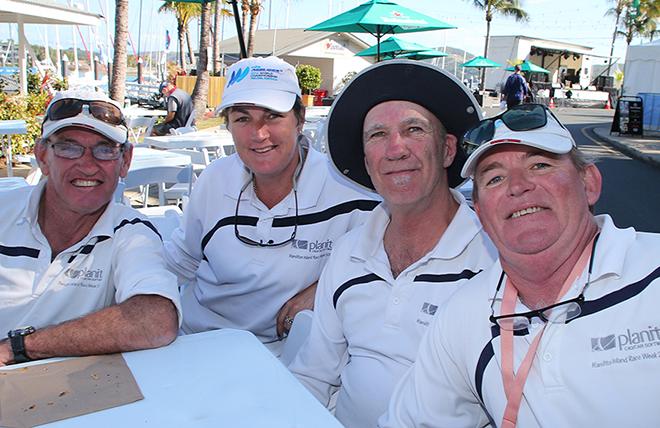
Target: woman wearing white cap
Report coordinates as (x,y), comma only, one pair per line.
(261,223)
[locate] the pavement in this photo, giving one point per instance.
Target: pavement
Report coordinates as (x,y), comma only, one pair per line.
(646,149)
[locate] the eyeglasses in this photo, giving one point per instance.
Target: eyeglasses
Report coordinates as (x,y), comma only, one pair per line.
(260,243)
(70,107)
(523,117)
(558,313)
(104,152)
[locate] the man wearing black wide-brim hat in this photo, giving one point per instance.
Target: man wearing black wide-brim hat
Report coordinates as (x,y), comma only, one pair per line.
(395,129)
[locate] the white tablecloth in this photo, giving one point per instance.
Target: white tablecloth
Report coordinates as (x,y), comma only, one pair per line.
(222,378)
(144,157)
(192,140)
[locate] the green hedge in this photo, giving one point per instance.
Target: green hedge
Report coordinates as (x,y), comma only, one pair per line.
(30,108)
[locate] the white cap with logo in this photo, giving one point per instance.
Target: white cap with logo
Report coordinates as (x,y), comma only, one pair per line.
(263,82)
(552,137)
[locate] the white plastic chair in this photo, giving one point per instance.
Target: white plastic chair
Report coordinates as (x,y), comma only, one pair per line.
(166,219)
(140,125)
(161,175)
(200,158)
(188,127)
(302,324)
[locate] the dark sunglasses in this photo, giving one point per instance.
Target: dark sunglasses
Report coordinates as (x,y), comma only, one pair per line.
(104,152)
(523,117)
(70,107)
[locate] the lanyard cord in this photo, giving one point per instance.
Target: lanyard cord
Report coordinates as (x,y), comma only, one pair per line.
(514,383)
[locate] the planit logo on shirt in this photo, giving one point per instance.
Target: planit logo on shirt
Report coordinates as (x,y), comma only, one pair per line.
(628,340)
(89,275)
(312,246)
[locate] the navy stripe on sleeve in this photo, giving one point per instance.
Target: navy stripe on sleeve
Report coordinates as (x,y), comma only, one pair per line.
(19,252)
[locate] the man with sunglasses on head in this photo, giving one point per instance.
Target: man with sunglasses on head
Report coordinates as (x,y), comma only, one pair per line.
(395,128)
(562,331)
(79,273)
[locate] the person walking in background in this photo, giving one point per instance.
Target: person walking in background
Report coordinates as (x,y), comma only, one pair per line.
(179,109)
(515,89)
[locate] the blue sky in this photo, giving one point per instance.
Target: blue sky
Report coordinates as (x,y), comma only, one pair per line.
(577,21)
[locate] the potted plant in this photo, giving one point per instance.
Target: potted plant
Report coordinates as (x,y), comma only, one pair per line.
(309,78)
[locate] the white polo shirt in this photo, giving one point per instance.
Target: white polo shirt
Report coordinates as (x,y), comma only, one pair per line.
(121,257)
(235,285)
(367,324)
(598,370)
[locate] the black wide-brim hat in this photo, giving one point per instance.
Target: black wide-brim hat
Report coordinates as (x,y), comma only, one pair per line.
(397,80)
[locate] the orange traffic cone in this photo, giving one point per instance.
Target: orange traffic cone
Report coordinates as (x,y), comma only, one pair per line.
(552,103)
(607,104)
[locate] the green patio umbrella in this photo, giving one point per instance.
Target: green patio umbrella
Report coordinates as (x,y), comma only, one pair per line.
(529,67)
(431,53)
(393,47)
(380,17)
(481,62)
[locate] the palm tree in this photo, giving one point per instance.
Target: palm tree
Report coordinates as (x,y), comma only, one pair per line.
(201,90)
(505,7)
(639,19)
(118,84)
(616,11)
(255,8)
(184,12)
(220,13)
(245,10)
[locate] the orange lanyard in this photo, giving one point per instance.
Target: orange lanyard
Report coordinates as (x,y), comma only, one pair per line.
(514,383)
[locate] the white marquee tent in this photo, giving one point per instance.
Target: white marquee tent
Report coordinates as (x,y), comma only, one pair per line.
(641,77)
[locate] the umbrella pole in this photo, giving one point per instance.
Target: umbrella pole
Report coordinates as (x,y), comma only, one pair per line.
(239,30)
(378,44)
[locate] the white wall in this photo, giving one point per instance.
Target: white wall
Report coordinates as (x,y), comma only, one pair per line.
(335,57)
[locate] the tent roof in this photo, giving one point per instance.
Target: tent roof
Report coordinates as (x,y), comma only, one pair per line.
(44,12)
(286,41)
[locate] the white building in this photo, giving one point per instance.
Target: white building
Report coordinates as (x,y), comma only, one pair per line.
(333,53)
(570,62)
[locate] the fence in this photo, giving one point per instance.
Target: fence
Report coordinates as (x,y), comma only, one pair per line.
(216,86)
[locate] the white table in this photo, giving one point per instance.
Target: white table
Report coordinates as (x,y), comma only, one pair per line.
(144,157)
(192,140)
(10,183)
(9,128)
(135,111)
(221,378)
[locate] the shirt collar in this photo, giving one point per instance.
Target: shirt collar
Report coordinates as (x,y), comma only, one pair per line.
(611,248)
(461,230)
(313,176)
(104,225)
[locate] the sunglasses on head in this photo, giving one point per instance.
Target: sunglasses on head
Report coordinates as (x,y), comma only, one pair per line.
(523,117)
(100,110)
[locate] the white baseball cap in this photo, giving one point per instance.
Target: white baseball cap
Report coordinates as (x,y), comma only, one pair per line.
(553,137)
(104,117)
(264,82)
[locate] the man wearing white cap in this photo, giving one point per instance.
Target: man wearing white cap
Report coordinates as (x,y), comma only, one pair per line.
(80,274)
(395,128)
(260,224)
(564,329)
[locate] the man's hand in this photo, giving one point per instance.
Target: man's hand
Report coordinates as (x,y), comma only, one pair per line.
(6,353)
(301,301)
(141,322)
